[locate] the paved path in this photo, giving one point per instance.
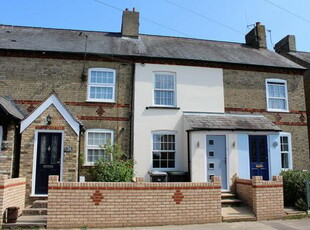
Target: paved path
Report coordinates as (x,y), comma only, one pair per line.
(297,224)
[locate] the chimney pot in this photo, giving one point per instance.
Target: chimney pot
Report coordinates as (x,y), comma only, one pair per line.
(126,9)
(134,9)
(258,23)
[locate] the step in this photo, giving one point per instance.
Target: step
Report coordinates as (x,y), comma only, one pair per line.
(234,214)
(34,211)
(225,195)
(230,202)
(39,204)
(28,222)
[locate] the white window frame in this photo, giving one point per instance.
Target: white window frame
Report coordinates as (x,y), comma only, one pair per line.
(108,85)
(1,137)
(289,152)
(276,81)
(175,150)
(174,90)
(87,147)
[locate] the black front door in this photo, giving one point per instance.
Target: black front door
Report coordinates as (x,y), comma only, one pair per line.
(259,156)
(48,160)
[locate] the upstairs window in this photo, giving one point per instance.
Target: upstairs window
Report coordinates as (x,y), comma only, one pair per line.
(95,139)
(276,92)
(101,85)
(164,150)
(164,89)
(286,153)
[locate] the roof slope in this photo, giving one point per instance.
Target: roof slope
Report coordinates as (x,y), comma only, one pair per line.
(305,56)
(208,121)
(10,108)
(60,40)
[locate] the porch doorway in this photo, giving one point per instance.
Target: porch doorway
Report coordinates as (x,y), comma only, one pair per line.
(48,160)
(216,158)
(259,156)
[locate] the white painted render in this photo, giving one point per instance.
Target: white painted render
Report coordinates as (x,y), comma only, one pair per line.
(198,89)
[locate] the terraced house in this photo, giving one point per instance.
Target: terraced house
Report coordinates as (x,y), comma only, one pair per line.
(189,108)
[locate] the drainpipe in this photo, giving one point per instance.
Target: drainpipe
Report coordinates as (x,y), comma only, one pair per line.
(79,155)
(189,161)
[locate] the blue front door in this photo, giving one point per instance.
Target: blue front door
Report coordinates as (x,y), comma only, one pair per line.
(258,156)
(216,158)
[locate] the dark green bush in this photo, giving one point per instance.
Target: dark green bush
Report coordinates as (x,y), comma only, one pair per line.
(118,169)
(294,188)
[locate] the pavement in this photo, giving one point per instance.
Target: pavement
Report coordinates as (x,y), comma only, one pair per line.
(292,224)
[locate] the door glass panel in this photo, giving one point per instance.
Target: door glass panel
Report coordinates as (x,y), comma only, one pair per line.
(211,142)
(211,166)
(211,154)
(262,149)
(54,150)
(253,150)
(43,150)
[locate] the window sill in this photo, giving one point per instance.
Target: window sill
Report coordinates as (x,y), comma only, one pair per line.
(277,110)
(162,107)
(100,101)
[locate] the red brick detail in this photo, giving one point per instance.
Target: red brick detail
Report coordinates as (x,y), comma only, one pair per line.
(97,197)
(73,103)
(131,188)
(100,111)
(178,196)
(12,185)
(278,117)
(94,118)
(302,118)
(252,110)
(290,123)
(30,108)
(49,127)
(267,186)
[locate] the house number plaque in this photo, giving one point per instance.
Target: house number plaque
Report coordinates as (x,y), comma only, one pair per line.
(259,166)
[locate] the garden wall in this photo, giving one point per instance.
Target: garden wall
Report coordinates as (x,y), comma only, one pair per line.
(265,198)
(12,194)
(100,204)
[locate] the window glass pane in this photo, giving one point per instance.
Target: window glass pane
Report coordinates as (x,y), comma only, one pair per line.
(284,160)
(101,92)
(164,97)
(277,103)
(101,77)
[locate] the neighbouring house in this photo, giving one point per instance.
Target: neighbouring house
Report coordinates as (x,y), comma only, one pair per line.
(287,48)
(63,94)
(177,105)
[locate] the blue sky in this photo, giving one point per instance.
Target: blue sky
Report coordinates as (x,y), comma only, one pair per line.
(222,20)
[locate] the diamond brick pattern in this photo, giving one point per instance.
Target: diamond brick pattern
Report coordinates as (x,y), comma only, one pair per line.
(178,196)
(97,197)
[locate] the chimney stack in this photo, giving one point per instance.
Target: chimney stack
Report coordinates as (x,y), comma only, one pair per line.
(130,23)
(257,37)
(287,44)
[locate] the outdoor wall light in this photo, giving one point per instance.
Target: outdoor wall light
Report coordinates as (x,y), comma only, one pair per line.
(198,144)
(234,144)
(275,144)
(48,119)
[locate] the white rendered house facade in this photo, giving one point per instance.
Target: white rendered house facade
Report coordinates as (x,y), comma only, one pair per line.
(171,104)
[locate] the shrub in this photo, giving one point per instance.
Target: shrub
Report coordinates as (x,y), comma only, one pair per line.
(294,188)
(118,169)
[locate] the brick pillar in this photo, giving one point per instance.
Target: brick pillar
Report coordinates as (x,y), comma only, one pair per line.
(268,198)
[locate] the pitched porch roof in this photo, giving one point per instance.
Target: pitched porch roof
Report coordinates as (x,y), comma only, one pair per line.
(232,122)
(10,108)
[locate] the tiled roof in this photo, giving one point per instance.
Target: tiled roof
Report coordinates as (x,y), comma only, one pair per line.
(104,43)
(10,108)
(210,121)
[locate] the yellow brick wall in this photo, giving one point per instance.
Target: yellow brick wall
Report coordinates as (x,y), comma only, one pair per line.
(99,205)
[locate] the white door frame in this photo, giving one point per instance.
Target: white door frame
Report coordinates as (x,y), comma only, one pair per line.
(35,152)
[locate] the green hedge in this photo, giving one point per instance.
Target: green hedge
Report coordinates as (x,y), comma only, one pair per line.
(294,188)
